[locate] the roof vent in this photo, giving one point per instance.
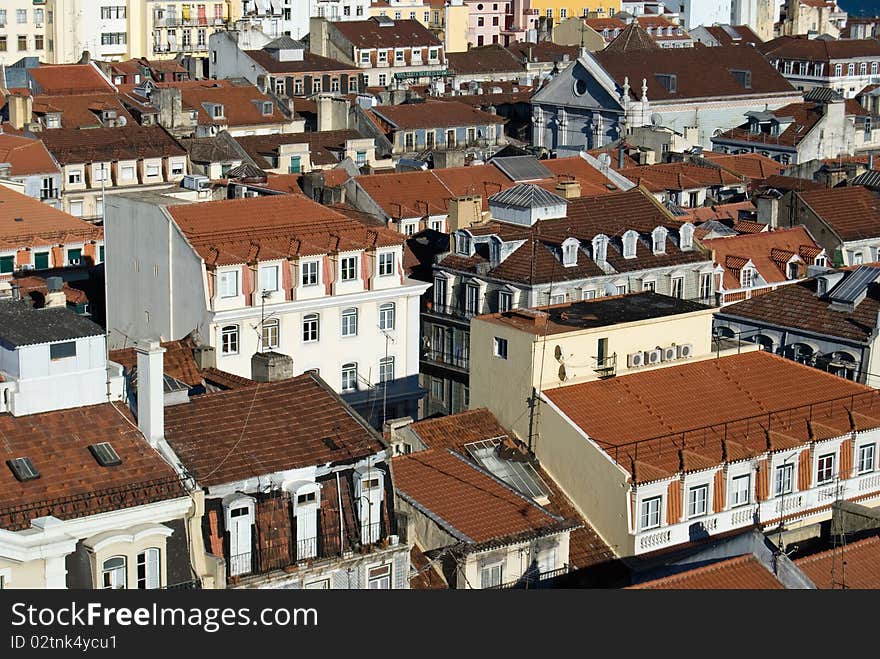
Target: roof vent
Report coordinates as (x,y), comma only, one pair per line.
(23,469)
(329,443)
(105,454)
(19,219)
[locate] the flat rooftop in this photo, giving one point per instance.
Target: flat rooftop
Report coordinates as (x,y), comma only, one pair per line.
(599,312)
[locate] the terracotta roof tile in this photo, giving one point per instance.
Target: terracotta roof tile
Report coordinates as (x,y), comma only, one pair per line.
(26,222)
(35,288)
(81,110)
(769,251)
(740,573)
(325,147)
(467,502)
(225,380)
(369,34)
(252,431)
(131,142)
(748,165)
(178,361)
(719,212)
(69,79)
(853,565)
(851,212)
(756,386)
(72,484)
(434,114)
(26,156)
(818,50)
(492,58)
(242,104)
(308,64)
(679,176)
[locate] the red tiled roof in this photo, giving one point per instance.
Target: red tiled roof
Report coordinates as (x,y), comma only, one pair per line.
(748,227)
(277,226)
(40,224)
(131,142)
(434,114)
(492,58)
(769,251)
(748,165)
(740,573)
(81,110)
(646,410)
(719,212)
(231,435)
(853,212)
(308,64)
(700,72)
(225,380)
(779,182)
(72,484)
(467,502)
(35,288)
(853,565)
(427,577)
(369,34)
(69,79)
(678,176)
(242,104)
(178,361)
(324,146)
(724,38)
(26,156)
(818,50)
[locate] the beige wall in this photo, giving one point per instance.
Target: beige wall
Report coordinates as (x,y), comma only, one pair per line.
(455,28)
(574,32)
(31,574)
(515,560)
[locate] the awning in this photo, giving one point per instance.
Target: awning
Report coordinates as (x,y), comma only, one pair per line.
(421,74)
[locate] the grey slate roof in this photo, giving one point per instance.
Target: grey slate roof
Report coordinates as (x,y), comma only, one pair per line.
(527,195)
(22,325)
(284,43)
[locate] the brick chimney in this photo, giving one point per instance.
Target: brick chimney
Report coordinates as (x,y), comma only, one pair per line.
(21,108)
(151,391)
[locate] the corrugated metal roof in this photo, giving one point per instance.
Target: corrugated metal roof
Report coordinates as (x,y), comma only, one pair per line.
(870,179)
(522,168)
(527,195)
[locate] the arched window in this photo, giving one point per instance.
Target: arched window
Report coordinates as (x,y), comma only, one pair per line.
(569,252)
(658,240)
(229,340)
(765,342)
(724,333)
(311,327)
(349,376)
(600,248)
(801,353)
(386,316)
(270,334)
(148,573)
(686,236)
(113,573)
(630,244)
(350,322)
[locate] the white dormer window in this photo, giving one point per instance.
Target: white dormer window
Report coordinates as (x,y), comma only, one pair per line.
(630,244)
(570,252)
(686,236)
(747,277)
(269,278)
(217,111)
(306,498)
(229,283)
(348,268)
(267,108)
(600,248)
(462,244)
(658,240)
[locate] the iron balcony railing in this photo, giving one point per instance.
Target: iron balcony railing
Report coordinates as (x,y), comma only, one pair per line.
(535,579)
(456,311)
(605,366)
(192,584)
(456,358)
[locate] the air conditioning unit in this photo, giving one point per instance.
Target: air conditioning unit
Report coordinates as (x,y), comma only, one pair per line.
(670,354)
(73,262)
(635,359)
(27,266)
(654,356)
(686,350)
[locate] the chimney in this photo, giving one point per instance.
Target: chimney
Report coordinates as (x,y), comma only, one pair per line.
(205,356)
(463,212)
(871,161)
(570,189)
(271,367)
(151,392)
(620,157)
(20,110)
(55,296)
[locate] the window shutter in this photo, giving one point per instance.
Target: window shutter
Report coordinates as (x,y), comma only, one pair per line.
(287,277)
(307,85)
(325,83)
(846,458)
(633,513)
(365,271)
(762,481)
(327,274)
(57,256)
(719,491)
(673,502)
(343,83)
(89,252)
(247,283)
(288,86)
(805,468)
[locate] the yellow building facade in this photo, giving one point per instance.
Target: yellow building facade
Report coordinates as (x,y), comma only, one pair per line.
(562,9)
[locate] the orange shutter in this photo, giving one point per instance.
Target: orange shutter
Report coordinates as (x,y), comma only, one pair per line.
(365,270)
(210,276)
(719,493)
(57,257)
(762,481)
(23,257)
(328,275)
(805,468)
(673,502)
(89,252)
(287,278)
(247,284)
(846,458)
(632,509)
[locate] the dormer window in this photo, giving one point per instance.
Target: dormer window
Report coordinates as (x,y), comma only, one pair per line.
(630,242)
(570,252)
(747,277)
(216,110)
(658,240)
(267,108)
(23,469)
(600,248)
(686,236)
(793,270)
(462,244)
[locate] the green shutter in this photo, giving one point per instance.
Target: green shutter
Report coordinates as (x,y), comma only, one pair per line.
(7,264)
(73,255)
(41,260)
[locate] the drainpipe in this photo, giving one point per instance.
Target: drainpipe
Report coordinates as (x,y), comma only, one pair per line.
(341,515)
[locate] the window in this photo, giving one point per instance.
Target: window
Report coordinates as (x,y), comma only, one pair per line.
(76,208)
(783,479)
(152,170)
(113,573)
(349,377)
(851,69)
(350,322)
(386,264)
(383,55)
(649,285)
(440,293)
(74,176)
(309,273)
(563,13)
(569,254)
(866,458)
(698,498)
(621,290)
(348,268)
(838,69)
(323,584)
(505,301)
(383,79)
(590,295)
(433,53)
(41,260)
(2,18)
(229,283)
(361,158)
(21,16)
(491,575)
(825,468)
(229,340)
(3,47)
(747,278)
(270,334)
(650,515)
(480,21)
(557,299)
(311,327)
(62,350)
(677,287)
(705,285)
(739,490)
(316,86)
(379,578)
(471,298)
(22,42)
(438,389)
(386,369)
(365,57)
(38,42)
(74,256)
(399,57)
(499,347)
(297,87)
(269,278)
(7,264)
(148,569)
(386,316)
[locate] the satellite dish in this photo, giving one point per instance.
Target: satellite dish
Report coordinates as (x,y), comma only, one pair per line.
(122,121)
(558,353)
(656,119)
(605,159)
(562,374)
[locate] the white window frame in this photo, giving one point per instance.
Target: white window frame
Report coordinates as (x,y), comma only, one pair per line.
(492,575)
(230,340)
(228,283)
(505,301)
(349,377)
(269,276)
(114,578)
(698,506)
(376,582)
(866,466)
(783,480)
(825,465)
(647,513)
(386,264)
(676,283)
(150,561)
(347,263)
(349,322)
(270,334)
(387,316)
(737,490)
(311,328)
(309,270)
(499,347)
(386,369)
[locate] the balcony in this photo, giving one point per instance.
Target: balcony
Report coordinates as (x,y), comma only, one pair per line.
(450,310)
(534,579)
(605,367)
(457,359)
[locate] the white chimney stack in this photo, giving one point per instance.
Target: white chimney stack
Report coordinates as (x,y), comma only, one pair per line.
(150,391)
